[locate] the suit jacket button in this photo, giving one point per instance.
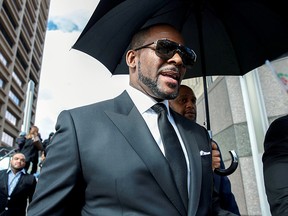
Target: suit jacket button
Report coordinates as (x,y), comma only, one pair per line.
(6,208)
(9,198)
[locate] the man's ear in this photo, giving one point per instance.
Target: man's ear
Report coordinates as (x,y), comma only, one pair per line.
(130,58)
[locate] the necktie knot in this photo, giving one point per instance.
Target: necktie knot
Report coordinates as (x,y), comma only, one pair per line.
(159,108)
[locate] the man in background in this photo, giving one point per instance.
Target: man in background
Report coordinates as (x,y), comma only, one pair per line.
(16,187)
(185,104)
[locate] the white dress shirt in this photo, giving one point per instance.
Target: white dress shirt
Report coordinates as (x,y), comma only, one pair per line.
(144,103)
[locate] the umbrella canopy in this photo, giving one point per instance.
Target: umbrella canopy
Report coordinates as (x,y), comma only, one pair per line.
(229,37)
(107,35)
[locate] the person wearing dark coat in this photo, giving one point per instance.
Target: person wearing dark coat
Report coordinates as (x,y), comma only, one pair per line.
(109,158)
(16,187)
(31,148)
(275,166)
(20,141)
(46,142)
(185,104)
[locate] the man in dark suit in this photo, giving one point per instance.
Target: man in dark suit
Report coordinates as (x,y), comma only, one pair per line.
(275,166)
(16,187)
(108,158)
(185,104)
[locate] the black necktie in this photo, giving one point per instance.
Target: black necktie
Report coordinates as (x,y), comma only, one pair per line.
(173,150)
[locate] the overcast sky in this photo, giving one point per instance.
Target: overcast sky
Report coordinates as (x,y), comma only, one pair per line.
(70,78)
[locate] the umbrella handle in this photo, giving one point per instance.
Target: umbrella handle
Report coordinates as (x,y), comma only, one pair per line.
(233,166)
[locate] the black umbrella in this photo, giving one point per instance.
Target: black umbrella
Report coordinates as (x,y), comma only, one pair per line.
(107,35)
(230,37)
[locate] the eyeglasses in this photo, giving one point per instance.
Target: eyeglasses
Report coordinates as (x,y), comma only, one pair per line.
(166,49)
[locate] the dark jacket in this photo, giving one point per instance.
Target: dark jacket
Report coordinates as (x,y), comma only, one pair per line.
(275,166)
(16,203)
(30,151)
(20,141)
(103,160)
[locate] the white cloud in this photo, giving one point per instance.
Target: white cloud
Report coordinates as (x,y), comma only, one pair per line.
(74,21)
(70,78)
(63,24)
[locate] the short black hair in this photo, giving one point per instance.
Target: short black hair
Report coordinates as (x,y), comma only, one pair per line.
(139,38)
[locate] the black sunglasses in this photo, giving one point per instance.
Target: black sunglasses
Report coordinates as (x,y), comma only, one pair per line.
(166,49)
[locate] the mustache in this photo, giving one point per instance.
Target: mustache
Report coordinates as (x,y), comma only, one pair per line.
(169,68)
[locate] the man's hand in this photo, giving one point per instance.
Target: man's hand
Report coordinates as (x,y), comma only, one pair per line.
(215,156)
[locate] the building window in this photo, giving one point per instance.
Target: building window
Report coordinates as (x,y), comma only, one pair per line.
(10,117)
(1,83)
(14,98)
(17,79)
(3,59)
(21,60)
(6,138)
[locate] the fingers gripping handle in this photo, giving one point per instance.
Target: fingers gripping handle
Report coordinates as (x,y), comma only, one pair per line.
(233,166)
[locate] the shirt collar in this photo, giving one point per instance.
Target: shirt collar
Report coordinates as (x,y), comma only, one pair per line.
(23,170)
(142,101)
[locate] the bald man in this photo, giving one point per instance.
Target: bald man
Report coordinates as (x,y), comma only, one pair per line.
(16,187)
(185,104)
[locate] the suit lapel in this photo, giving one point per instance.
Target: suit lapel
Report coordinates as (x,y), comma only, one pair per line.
(4,176)
(133,127)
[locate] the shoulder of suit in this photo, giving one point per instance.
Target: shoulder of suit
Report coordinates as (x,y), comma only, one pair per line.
(29,177)
(3,171)
(186,121)
(122,100)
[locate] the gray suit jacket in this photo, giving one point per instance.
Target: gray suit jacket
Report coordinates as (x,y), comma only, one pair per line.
(104,161)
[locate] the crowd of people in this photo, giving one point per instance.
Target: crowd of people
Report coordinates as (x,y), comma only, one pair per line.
(112,158)
(33,147)
(18,182)
(117,161)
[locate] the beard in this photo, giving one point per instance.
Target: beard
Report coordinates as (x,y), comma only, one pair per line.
(153,86)
(17,168)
